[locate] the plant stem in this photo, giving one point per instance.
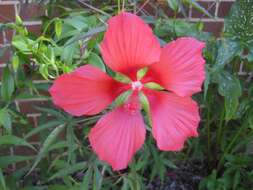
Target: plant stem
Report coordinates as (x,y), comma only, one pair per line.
(208,136)
(230,146)
(220,127)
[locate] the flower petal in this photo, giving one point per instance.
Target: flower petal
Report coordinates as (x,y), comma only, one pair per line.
(181,67)
(174,119)
(118,136)
(86,91)
(129,44)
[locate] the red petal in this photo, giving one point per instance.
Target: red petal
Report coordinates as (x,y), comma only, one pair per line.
(118,136)
(174,119)
(86,91)
(129,44)
(181,67)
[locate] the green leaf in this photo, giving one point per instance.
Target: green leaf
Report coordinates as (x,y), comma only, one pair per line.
(239,21)
(145,105)
(24,45)
(69,52)
(19,20)
(8,85)
(5,120)
(86,179)
(2,180)
(197,6)
(96,61)
(178,28)
(7,160)
(42,127)
(13,140)
(90,33)
(15,62)
(206,83)
(174,5)
(227,49)
(78,22)
(250,54)
(125,185)
(122,78)
(71,143)
(122,98)
(58,27)
(69,170)
(153,85)
(141,73)
(97,178)
(230,88)
(46,145)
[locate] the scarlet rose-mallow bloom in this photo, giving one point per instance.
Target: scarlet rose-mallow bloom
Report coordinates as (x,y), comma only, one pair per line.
(129,46)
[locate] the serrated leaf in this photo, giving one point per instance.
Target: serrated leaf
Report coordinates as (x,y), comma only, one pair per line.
(47,143)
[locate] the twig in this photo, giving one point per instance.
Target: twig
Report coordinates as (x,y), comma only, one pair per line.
(142,6)
(93,8)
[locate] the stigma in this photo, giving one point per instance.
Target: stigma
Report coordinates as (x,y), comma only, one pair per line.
(137,85)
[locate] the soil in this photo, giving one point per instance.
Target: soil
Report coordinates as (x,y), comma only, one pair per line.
(186,177)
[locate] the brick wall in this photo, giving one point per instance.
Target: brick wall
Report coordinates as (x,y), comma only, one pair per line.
(30,12)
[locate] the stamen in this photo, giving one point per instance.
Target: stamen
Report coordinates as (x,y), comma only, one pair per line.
(137,85)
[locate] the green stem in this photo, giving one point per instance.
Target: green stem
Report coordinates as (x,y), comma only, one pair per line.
(230,146)
(220,127)
(119,6)
(208,136)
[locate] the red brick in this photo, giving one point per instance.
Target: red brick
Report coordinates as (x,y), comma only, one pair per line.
(8,35)
(35,29)
(209,6)
(214,27)
(23,151)
(29,106)
(164,6)
(1,38)
(6,56)
(1,72)
(224,8)
(7,13)
(32,120)
(31,11)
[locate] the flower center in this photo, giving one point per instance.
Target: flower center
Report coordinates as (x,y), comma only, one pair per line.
(137,85)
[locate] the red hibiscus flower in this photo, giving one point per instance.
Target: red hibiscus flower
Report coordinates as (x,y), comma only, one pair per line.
(128,46)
